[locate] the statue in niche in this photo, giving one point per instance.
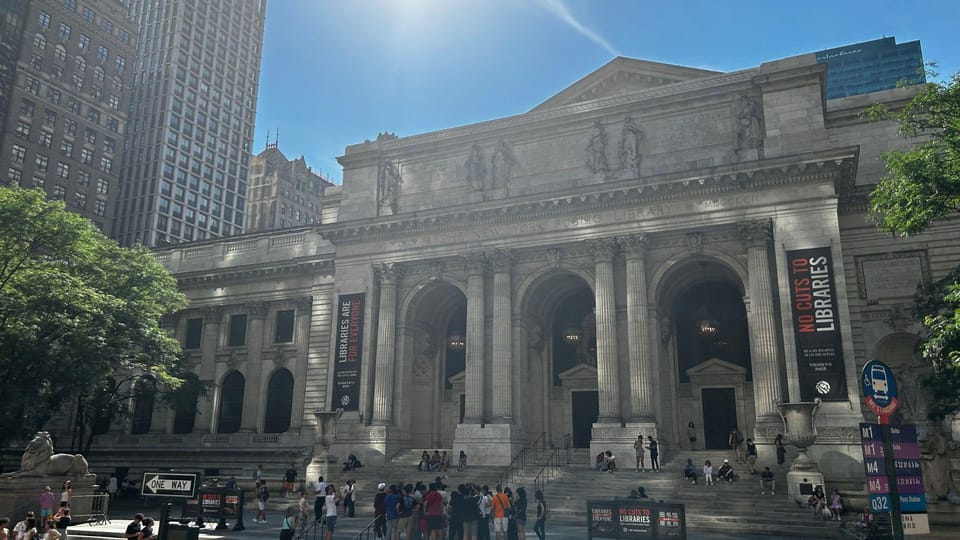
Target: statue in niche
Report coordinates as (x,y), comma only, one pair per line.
(935,461)
(597,149)
(476,172)
(630,146)
(749,126)
(388,185)
(501,165)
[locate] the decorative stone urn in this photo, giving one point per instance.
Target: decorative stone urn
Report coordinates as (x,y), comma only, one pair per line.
(323,439)
(800,431)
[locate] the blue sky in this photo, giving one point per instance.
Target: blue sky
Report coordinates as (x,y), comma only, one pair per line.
(336,72)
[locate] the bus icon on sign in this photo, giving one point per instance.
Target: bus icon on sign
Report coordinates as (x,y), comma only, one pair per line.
(878,380)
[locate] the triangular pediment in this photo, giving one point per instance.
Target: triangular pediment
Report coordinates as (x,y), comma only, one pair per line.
(459,378)
(715,366)
(623,76)
(579,372)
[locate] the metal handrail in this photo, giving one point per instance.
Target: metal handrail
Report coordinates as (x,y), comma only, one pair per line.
(312,531)
(519,462)
(551,468)
(365,533)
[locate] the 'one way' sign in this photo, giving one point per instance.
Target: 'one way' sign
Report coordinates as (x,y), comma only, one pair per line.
(169,484)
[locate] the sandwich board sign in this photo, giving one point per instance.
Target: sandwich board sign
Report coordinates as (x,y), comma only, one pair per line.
(168,484)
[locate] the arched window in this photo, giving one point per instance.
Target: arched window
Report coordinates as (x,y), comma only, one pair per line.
(60,53)
(279,402)
(185,405)
(231,403)
(40,42)
(81,64)
(143,397)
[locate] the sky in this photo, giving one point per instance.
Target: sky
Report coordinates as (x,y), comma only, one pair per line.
(338,72)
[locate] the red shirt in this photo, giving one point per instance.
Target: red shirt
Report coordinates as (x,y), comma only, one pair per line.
(433,504)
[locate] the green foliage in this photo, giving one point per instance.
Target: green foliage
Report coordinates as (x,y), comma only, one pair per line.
(78,314)
(920,186)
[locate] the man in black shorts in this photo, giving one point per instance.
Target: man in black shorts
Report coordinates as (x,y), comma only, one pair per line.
(767,482)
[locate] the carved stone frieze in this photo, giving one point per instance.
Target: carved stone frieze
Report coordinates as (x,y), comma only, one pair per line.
(694,242)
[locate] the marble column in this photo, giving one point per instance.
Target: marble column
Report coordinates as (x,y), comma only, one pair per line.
(206,370)
(762,319)
(474,377)
(503,379)
(606,315)
(640,353)
(386,344)
(253,376)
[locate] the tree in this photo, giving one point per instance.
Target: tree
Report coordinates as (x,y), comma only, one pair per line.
(920,186)
(78,314)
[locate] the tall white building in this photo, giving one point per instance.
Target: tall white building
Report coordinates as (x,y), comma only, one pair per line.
(187,151)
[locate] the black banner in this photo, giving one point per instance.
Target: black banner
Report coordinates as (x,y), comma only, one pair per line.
(348,352)
(635,518)
(816,325)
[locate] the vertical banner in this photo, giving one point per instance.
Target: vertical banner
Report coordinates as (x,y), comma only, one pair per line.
(348,352)
(816,325)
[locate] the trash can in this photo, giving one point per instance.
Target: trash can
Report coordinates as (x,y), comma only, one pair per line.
(176,531)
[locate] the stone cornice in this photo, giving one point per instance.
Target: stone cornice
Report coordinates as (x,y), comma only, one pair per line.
(235,274)
(368,152)
(835,165)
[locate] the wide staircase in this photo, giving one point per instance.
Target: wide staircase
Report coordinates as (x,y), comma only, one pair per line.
(730,508)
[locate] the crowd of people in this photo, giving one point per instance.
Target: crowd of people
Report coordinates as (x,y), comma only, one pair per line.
(52,521)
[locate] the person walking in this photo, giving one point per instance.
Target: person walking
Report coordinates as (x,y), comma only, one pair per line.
(289,479)
(331,501)
(380,511)
(538,527)
(263,495)
(349,498)
(654,448)
(303,515)
(520,512)
(735,439)
(639,451)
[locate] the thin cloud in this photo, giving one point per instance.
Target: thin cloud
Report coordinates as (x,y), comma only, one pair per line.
(559,10)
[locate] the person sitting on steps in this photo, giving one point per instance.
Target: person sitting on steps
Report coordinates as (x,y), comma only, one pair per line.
(690,472)
(726,472)
(609,462)
(767,482)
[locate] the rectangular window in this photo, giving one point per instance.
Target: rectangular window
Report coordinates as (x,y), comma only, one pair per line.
(86,156)
(90,136)
(80,201)
(106,164)
(88,14)
(64,31)
(18,152)
(102,53)
(237,336)
(70,127)
(103,186)
(284,329)
(53,95)
(27,107)
(194,334)
(66,148)
(63,169)
(109,145)
(41,162)
(59,192)
(100,207)
(44,19)
(107,25)
(84,42)
(23,130)
(14,175)
(121,63)
(45,139)
(83,179)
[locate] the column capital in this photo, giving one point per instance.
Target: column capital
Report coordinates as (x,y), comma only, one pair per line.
(388,273)
(500,259)
(603,249)
(634,245)
(475,263)
(755,231)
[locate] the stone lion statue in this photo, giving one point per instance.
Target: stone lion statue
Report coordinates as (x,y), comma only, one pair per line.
(39,460)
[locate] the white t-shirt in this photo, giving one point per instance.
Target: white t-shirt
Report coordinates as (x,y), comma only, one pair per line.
(321,489)
(486,505)
(331,504)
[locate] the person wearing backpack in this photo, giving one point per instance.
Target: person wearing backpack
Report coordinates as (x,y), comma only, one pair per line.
(263,495)
(501,506)
(405,511)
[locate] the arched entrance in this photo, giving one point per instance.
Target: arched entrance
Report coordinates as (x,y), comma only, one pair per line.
(434,360)
(562,401)
(705,353)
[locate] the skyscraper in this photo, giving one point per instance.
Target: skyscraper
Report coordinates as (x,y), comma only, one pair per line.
(283,192)
(870,66)
(65,72)
(186,154)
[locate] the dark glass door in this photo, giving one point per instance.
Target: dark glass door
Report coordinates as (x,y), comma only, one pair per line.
(586,410)
(719,415)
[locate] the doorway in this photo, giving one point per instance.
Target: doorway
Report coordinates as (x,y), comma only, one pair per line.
(586,410)
(719,415)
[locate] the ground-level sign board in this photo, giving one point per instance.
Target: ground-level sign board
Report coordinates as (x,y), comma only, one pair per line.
(167,484)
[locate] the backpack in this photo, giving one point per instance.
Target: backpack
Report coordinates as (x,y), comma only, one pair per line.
(407,503)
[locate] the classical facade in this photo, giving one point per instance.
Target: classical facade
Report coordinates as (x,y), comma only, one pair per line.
(652,246)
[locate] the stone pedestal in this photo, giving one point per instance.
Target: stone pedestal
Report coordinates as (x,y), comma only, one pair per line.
(799,422)
(619,439)
(488,444)
(22,494)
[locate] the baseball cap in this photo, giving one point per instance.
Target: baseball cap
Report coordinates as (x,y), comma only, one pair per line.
(381,485)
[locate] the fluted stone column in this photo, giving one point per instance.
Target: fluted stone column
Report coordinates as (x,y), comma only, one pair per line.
(474,378)
(206,370)
(502,336)
(608,385)
(257,313)
(762,318)
(386,344)
(638,330)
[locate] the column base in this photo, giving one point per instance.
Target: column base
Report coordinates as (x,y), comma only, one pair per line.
(618,439)
(488,444)
(808,479)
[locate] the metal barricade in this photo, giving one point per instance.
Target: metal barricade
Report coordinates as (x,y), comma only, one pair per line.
(92,509)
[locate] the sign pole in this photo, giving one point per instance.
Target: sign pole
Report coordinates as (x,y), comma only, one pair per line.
(896,519)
